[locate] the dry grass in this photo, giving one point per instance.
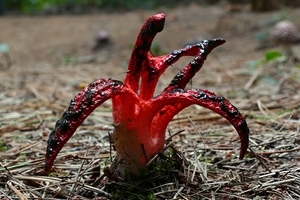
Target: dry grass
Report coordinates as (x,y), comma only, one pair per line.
(203,161)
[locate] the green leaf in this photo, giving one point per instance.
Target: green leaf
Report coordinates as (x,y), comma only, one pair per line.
(272,55)
(4,48)
(3,147)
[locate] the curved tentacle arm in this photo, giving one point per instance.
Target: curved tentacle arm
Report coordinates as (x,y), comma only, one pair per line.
(79,109)
(173,102)
(158,65)
(187,73)
(139,56)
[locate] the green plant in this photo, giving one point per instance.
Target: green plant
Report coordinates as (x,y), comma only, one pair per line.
(38,6)
(269,56)
(3,147)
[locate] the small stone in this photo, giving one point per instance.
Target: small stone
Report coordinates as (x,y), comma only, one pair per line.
(284,32)
(101,39)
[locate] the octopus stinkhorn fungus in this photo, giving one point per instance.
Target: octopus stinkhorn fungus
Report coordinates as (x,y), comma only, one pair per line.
(140,119)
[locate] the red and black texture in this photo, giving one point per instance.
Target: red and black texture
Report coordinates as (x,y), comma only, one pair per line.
(140,118)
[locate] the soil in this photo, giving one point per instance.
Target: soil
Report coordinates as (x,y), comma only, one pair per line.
(53,58)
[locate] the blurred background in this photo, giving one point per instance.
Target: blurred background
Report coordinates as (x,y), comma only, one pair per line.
(86,6)
(72,42)
(88,36)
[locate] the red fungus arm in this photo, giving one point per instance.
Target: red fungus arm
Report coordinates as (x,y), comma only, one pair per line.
(139,56)
(158,64)
(79,109)
(186,74)
(173,102)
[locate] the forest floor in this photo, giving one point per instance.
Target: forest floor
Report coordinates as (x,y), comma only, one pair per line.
(52,59)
